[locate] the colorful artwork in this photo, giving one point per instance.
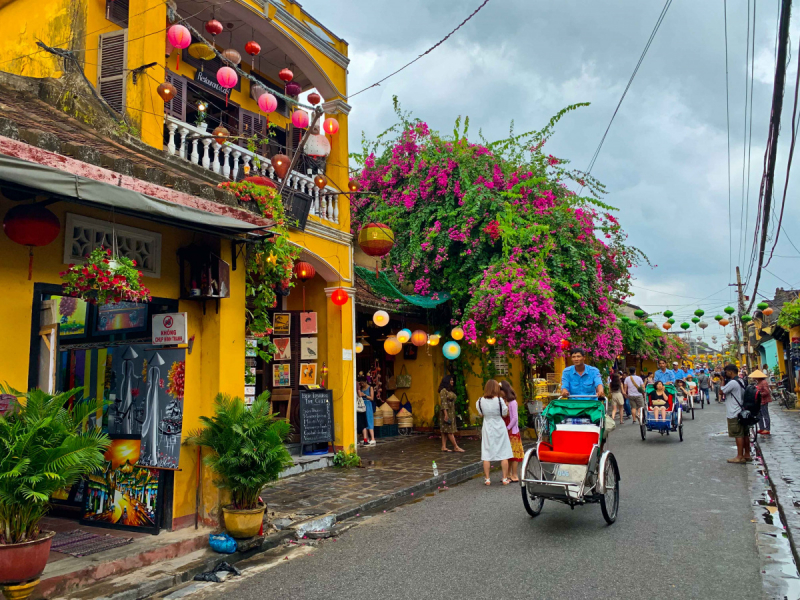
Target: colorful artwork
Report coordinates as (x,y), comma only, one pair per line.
(146,396)
(308,348)
(284,349)
(281,375)
(308,373)
(282,324)
(122,317)
(123,495)
(71,314)
(308,323)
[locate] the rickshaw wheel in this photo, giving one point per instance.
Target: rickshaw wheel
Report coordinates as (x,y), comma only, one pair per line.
(533,504)
(680,431)
(609,502)
(644,431)
(692,413)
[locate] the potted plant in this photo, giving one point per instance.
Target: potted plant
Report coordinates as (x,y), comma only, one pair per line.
(45,448)
(200,121)
(247,452)
(104,279)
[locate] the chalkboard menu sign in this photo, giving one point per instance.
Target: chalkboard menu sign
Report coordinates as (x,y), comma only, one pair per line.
(316,417)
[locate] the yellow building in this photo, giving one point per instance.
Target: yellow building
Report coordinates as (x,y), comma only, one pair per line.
(141,174)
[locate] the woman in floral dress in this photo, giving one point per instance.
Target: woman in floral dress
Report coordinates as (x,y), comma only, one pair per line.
(447,413)
(512,425)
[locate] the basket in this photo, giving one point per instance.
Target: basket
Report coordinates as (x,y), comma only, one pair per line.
(404,419)
(394,402)
(387,414)
(377,419)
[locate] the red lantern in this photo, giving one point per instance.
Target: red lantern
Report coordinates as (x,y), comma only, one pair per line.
(167,91)
(314,98)
(300,119)
(214,27)
(31,225)
(339,297)
(180,38)
(376,239)
(331,126)
(293,89)
(564,345)
(228,79)
(320,181)
(252,48)
(281,162)
(353,185)
(286,75)
(304,271)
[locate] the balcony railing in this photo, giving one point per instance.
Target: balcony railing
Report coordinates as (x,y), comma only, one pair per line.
(195,145)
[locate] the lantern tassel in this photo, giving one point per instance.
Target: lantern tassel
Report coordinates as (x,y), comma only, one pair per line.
(30,262)
(226,99)
(178,60)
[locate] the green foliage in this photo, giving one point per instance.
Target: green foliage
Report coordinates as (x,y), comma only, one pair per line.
(346,460)
(790,314)
(45,446)
(247,446)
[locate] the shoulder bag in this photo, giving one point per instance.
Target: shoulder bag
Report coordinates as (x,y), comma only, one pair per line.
(360,406)
(403,380)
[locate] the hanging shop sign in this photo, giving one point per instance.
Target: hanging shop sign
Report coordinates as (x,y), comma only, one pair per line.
(208,79)
(170,328)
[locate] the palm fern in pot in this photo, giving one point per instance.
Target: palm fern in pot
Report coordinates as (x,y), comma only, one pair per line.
(247,452)
(45,446)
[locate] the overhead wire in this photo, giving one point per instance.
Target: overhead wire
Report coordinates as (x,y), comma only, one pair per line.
(728,125)
(742,224)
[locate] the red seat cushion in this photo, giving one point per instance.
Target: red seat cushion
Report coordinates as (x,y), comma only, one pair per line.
(669,406)
(564,458)
(569,447)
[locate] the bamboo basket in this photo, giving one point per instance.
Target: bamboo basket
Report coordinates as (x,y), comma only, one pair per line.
(387,413)
(405,419)
(394,402)
(378,418)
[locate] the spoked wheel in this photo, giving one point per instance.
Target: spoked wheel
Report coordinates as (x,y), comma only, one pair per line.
(644,431)
(533,504)
(609,502)
(680,431)
(692,412)
(702,403)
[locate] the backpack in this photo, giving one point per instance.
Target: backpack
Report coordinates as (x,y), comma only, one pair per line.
(750,405)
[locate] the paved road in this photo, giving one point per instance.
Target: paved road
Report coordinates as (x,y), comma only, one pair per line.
(685,530)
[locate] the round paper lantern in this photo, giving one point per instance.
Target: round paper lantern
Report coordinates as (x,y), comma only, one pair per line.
(214,27)
(359,347)
(320,181)
(286,75)
(392,345)
(376,239)
(267,102)
(624,319)
(564,344)
(201,51)
(380,318)
(252,48)
(451,350)
(648,320)
(457,333)
(314,98)
(651,325)
(671,321)
(353,186)
(639,313)
(317,145)
(404,335)
(300,119)
(491,341)
(167,91)
(227,77)
(304,271)
(746,318)
(179,37)
(281,162)
(433,340)
(666,325)
(724,322)
(331,126)
(419,338)
(699,313)
(703,325)
(768,311)
(762,305)
(695,320)
(293,89)
(220,134)
(339,297)
(668,313)
(718,318)
(233,57)
(31,225)
(685,326)
(729,310)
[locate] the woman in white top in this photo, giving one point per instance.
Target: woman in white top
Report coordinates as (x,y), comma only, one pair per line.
(495,444)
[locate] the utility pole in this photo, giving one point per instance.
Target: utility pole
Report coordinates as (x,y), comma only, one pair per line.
(736,322)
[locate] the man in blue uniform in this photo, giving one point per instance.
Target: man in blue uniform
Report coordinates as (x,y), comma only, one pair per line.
(663,374)
(581,379)
(679,372)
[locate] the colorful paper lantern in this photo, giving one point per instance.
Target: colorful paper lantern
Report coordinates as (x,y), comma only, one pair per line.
(404,335)
(639,313)
(491,341)
(624,319)
(451,350)
(671,321)
(232,56)
(228,79)
(668,313)
(281,162)
(380,318)
(434,339)
(695,320)
(180,38)
(320,181)
(768,311)
(729,310)
(419,338)
(293,89)
(699,312)
(286,75)
(201,51)
(359,347)
(214,27)
(31,225)
(667,325)
(253,48)
(376,239)
(761,306)
(314,98)
(353,185)
(746,318)
(718,318)
(339,297)
(724,322)
(392,345)
(703,325)
(685,326)
(330,126)
(220,134)
(167,91)
(648,320)
(300,119)
(317,145)
(304,271)
(267,102)
(457,333)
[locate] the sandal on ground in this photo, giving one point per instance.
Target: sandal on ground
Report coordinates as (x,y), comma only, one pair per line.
(459,450)
(514,480)
(506,481)
(748,459)
(487,482)
(737,461)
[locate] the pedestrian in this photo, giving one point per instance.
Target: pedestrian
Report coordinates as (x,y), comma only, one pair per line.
(581,379)
(734,395)
(648,378)
(704,383)
(368,424)
(716,379)
(617,398)
(495,444)
(512,425)
(447,413)
(634,390)
(765,395)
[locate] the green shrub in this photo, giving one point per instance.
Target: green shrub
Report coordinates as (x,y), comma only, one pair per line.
(346,460)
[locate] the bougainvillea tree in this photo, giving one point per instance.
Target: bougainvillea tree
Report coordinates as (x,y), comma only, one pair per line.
(526,259)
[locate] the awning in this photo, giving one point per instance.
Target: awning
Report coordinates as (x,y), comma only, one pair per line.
(84,190)
(383,288)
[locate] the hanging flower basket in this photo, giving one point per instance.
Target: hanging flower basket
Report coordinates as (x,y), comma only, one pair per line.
(105,280)
(266,197)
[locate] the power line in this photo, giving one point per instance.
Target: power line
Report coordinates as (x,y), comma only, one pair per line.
(630,81)
(750,145)
(742,223)
(428,51)
(728,123)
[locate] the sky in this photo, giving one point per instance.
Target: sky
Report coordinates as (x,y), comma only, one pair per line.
(665,160)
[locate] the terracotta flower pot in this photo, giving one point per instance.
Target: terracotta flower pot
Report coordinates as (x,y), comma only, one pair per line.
(26,561)
(243,523)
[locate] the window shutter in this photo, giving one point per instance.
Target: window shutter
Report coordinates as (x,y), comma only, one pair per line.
(117,12)
(177,106)
(112,71)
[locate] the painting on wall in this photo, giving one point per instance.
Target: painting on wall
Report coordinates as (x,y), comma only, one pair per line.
(123,495)
(308,374)
(282,324)
(146,389)
(284,349)
(71,315)
(281,375)
(308,348)
(308,323)
(121,317)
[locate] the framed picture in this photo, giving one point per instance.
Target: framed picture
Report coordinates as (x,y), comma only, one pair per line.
(308,373)
(282,324)
(281,375)
(123,495)
(308,323)
(71,315)
(121,317)
(308,348)
(410,351)
(284,349)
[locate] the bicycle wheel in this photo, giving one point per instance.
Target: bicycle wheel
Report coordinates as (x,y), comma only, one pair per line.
(533,504)
(609,502)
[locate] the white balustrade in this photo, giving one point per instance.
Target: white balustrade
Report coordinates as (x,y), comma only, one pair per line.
(230,160)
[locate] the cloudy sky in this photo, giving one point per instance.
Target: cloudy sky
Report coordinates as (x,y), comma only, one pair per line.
(665,160)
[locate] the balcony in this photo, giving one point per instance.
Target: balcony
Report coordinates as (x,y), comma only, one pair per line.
(229,161)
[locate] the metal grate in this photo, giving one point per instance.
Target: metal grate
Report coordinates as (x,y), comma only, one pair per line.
(500,365)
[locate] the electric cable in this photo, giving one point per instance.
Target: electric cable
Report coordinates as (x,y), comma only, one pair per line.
(728,124)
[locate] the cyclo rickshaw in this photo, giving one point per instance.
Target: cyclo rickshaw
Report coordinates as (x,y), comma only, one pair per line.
(674,420)
(570,463)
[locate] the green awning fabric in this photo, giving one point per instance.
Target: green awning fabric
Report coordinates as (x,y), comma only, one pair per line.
(562,408)
(382,287)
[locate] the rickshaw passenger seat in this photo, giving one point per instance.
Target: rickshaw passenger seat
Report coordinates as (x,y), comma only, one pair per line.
(569,447)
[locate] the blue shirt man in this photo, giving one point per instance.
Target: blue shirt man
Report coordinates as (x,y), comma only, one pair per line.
(581,379)
(663,374)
